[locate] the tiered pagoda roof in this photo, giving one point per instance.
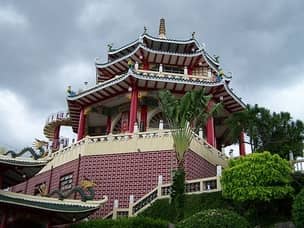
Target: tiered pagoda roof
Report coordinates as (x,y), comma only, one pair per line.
(159,51)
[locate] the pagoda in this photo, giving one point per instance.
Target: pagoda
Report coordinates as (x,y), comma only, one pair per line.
(123,141)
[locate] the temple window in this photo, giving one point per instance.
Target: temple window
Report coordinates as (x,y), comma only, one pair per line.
(173,69)
(66,182)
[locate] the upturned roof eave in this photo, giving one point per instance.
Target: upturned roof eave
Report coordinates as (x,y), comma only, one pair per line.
(144,76)
(150,37)
(32,201)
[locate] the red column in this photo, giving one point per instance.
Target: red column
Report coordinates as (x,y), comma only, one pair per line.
(210,131)
(146,65)
(56,137)
(210,128)
(143,117)
(109,122)
(133,109)
(242,144)
(81,125)
(190,69)
(1,180)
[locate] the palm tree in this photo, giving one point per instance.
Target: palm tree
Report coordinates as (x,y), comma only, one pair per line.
(194,106)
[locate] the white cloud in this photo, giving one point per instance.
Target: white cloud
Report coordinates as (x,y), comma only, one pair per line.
(9,16)
(287,99)
(19,125)
(97,12)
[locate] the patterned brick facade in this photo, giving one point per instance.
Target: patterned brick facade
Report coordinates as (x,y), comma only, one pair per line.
(120,175)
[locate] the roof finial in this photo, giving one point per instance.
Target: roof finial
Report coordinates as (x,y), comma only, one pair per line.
(162,29)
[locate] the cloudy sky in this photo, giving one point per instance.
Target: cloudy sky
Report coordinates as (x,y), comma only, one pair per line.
(47,45)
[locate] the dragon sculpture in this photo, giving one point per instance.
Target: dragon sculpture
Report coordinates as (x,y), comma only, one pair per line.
(85,186)
(38,145)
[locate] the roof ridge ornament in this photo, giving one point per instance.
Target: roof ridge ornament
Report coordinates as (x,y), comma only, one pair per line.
(162,29)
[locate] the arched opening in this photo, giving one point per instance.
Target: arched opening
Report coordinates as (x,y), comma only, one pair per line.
(154,119)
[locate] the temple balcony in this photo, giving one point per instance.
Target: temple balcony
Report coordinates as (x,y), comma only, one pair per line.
(174,71)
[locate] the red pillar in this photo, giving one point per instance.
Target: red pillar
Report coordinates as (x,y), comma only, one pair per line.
(242,144)
(143,117)
(56,137)
(1,180)
(146,65)
(210,132)
(190,69)
(109,122)
(133,109)
(81,125)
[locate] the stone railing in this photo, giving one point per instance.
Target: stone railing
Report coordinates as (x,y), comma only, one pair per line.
(62,115)
(298,165)
(174,75)
(198,186)
(132,142)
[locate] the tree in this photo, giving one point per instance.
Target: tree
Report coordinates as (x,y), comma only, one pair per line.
(274,132)
(193,106)
(298,209)
(257,177)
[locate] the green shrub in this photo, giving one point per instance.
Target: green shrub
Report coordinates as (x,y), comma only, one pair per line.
(214,218)
(298,209)
(297,181)
(138,222)
(194,203)
(257,177)
(161,209)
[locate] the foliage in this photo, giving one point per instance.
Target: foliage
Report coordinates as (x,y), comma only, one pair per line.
(259,176)
(267,214)
(178,194)
(138,222)
(274,132)
(298,209)
(214,218)
(297,181)
(193,203)
(161,209)
(193,106)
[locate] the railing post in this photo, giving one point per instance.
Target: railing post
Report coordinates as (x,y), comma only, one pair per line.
(200,133)
(161,125)
(223,148)
(218,177)
(160,68)
(135,128)
(159,185)
(131,201)
(185,70)
(115,207)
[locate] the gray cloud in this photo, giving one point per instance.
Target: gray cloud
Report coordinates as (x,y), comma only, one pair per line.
(47,46)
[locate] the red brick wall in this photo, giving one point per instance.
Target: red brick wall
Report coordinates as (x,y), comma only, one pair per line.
(120,175)
(196,167)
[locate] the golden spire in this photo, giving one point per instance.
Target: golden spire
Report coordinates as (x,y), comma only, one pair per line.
(162,29)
